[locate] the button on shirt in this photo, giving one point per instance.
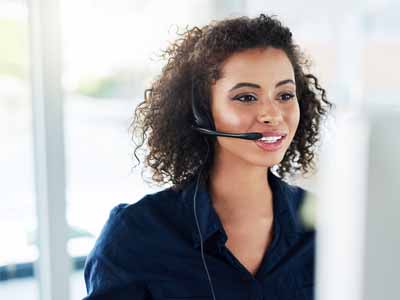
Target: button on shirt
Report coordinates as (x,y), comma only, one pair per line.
(151,250)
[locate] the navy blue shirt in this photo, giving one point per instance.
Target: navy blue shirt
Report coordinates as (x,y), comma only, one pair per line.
(151,250)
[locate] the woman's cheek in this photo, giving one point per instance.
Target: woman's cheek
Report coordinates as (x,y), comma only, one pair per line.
(229,119)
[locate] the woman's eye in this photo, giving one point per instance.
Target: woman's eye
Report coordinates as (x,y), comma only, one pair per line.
(245,98)
(250,98)
(286,96)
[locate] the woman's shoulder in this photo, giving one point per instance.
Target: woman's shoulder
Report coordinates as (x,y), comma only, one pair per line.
(301,202)
(290,189)
(293,190)
(122,252)
(130,231)
(129,219)
(306,209)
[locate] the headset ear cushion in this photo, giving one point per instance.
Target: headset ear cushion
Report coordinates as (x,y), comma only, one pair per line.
(209,120)
(201,117)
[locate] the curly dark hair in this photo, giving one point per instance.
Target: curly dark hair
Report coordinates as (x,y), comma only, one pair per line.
(175,151)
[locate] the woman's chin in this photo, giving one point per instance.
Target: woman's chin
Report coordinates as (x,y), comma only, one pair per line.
(264,161)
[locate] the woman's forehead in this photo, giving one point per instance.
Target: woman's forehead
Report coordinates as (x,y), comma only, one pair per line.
(254,65)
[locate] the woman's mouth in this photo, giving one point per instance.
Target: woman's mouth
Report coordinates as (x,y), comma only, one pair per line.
(270,143)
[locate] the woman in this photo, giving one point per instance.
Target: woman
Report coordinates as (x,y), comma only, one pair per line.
(232,102)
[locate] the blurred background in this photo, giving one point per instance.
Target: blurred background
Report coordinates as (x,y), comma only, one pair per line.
(109,53)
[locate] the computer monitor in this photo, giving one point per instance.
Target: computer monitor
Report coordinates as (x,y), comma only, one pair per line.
(358,207)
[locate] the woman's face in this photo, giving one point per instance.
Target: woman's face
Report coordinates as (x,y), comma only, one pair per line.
(256,93)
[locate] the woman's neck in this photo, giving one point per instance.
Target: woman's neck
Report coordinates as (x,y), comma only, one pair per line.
(240,192)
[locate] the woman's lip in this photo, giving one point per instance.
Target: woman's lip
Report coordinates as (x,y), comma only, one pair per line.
(273,133)
(270,146)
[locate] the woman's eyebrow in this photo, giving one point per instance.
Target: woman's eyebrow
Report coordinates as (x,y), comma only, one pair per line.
(286,81)
(242,84)
(254,85)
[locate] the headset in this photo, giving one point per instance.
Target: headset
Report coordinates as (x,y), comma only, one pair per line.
(205,125)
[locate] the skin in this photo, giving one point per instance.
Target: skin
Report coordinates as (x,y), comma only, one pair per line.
(239,188)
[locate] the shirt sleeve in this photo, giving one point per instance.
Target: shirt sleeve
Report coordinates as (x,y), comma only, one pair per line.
(104,272)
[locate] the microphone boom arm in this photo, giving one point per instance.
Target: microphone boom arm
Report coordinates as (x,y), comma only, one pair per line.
(246,136)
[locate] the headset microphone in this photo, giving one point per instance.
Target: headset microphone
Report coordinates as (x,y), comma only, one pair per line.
(246,136)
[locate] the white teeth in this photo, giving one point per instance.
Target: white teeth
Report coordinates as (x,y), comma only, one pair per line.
(270,139)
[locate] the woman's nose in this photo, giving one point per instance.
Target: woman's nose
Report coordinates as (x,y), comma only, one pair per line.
(269,112)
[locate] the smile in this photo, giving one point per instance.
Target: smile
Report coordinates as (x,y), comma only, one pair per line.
(270,143)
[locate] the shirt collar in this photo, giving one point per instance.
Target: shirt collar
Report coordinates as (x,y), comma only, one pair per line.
(285,203)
